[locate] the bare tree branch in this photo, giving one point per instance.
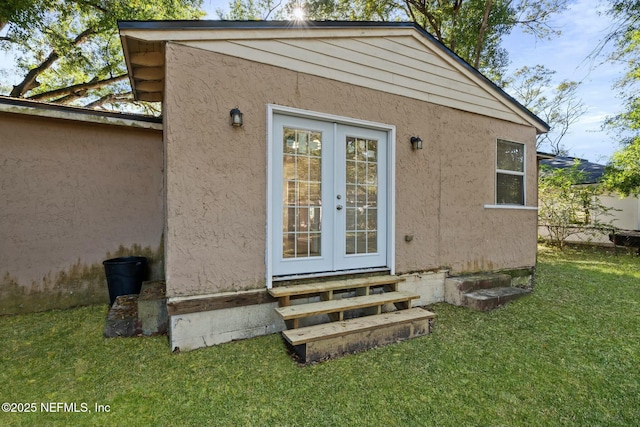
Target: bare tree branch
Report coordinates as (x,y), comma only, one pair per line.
(75,90)
(271,10)
(110,98)
(30,82)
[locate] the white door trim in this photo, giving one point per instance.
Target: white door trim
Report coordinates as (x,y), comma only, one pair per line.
(273,109)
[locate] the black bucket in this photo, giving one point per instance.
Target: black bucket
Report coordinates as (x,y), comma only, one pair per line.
(125,275)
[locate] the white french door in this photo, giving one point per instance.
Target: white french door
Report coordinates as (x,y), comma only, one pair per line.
(329,190)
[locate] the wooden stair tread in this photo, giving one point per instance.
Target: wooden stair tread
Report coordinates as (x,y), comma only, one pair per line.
(344,304)
(360,324)
(318,287)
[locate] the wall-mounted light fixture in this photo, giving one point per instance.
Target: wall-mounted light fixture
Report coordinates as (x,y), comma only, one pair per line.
(236,117)
(416,143)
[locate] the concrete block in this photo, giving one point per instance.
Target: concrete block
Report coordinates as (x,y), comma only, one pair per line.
(152,308)
(207,328)
(455,287)
(122,320)
(429,285)
(488,299)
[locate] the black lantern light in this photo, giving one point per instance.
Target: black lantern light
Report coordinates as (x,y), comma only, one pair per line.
(236,117)
(416,143)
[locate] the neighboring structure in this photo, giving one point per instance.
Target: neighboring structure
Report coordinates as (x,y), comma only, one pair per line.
(625,211)
(77,187)
(321,178)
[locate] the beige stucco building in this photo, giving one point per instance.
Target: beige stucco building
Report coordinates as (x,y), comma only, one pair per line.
(363,148)
(322,177)
(77,187)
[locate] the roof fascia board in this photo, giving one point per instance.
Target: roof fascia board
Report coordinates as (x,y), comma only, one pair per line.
(256,24)
(127,61)
(178,35)
(78,116)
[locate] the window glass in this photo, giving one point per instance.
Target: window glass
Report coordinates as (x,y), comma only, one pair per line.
(510,156)
(510,189)
(510,173)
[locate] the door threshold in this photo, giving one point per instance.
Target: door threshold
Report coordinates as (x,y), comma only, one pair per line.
(294,277)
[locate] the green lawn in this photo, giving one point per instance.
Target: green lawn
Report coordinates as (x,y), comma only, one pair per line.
(567,355)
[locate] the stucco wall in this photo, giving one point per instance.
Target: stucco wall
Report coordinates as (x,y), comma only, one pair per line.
(216,174)
(74,194)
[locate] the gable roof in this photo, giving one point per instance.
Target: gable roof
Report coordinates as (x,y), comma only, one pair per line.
(394,57)
(592,171)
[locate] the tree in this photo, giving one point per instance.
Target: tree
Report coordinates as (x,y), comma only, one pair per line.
(623,172)
(559,106)
(252,9)
(566,207)
(473,29)
(69,51)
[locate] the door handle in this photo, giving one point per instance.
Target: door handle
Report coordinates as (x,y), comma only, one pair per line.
(339,207)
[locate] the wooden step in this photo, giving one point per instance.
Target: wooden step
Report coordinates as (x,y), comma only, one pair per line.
(319,342)
(335,329)
(283,293)
(344,304)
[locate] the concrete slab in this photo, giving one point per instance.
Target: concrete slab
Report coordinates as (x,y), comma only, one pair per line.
(488,299)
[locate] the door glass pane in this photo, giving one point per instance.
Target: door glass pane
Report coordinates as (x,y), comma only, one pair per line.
(361,164)
(302,193)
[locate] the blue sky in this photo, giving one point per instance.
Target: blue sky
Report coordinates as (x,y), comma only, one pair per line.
(582,28)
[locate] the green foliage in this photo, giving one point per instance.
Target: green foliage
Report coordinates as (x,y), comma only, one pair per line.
(251,10)
(62,44)
(565,355)
(624,168)
(567,207)
(358,10)
(473,29)
(623,171)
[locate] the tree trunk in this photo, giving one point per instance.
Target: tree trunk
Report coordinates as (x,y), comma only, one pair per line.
(456,10)
(30,82)
(75,89)
(107,99)
(483,30)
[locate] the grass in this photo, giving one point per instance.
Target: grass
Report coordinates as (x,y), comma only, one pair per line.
(567,355)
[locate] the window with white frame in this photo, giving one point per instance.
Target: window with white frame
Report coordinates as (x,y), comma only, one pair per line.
(510,173)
